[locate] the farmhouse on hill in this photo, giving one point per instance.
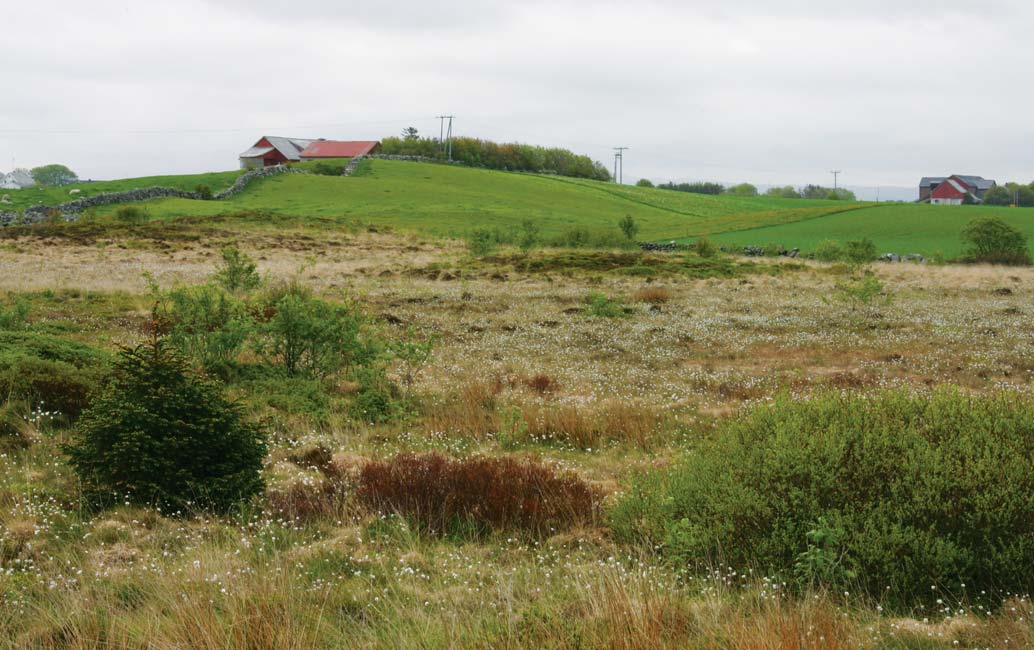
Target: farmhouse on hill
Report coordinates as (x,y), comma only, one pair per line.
(954,190)
(273,150)
(16,180)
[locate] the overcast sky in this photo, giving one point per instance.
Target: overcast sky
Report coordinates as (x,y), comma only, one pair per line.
(768,92)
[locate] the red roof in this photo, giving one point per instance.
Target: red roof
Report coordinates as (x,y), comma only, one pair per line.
(337,149)
(952,188)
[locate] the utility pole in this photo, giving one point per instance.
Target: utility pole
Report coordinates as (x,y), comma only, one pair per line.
(445,138)
(836,173)
(619,164)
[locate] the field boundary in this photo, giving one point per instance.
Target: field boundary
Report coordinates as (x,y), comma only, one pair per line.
(71,210)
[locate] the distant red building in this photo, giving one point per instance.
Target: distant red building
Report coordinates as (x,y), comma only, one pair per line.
(954,190)
(274,150)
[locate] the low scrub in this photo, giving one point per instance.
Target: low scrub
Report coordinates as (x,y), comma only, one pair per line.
(906,497)
(49,372)
(441,495)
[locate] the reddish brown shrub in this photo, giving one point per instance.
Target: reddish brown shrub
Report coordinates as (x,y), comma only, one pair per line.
(440,494)
(652,295)
(542,384)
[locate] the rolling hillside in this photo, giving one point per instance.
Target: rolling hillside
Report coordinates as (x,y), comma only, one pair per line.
(451,201)
(898,228)
(441,200)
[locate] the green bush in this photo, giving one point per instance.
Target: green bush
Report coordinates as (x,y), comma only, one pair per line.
(704,247)
(992,241)
(829,250)
(158,435)
(901,491)
(327,169)
(204,191)
(629,228)
(49,372)
(305,335)
(481,242)
(237,271)
(208,325)
(860,251)
(14,316)
(602,306)
(131,214)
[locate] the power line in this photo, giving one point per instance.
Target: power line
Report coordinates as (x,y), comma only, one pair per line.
(215,130)
(445,138)
(619,164)
(836,173)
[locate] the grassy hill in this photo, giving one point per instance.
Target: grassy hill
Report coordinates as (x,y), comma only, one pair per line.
(900,228)
(451,201)
(442,200)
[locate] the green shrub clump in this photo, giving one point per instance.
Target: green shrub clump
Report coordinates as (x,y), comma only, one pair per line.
(990,240)
(303,334)
(159,435)
(829,250)
(48,372)
(890,493)
(600,305)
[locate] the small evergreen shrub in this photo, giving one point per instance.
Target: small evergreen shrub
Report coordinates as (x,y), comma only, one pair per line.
(890,493)
(204,191)
(440,495)
(159,435)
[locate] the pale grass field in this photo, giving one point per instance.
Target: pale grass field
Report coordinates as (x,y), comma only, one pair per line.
(621,394)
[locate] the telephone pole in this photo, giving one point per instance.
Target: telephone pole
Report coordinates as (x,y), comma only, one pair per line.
(445,137)
(836,173)
(619,164)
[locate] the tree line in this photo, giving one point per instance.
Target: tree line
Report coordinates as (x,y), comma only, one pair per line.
(493,155)
(1010,194)
(749,190)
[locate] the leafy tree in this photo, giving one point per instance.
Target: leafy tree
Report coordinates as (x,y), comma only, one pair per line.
(990,240)
(629,227)
(410,134)
(998,195)
(644,182)
(160,435)
(53,176)
(786,192)
(743,189)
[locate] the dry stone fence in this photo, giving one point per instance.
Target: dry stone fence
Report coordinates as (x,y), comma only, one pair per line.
(71,210)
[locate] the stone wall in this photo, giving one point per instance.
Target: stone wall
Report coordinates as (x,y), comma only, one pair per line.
(70,211)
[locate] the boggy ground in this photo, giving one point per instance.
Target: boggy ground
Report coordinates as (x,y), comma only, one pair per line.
(520,366)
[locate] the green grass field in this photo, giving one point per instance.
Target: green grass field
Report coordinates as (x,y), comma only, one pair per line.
(21,199)
(898,228)
(451,201)
(441,200)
